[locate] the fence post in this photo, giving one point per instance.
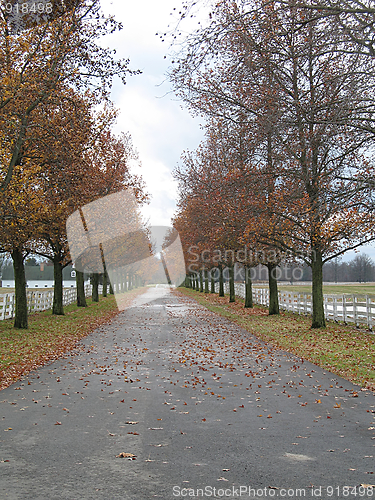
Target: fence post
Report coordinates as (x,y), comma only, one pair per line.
(354,309)
(4,306)
(368,313)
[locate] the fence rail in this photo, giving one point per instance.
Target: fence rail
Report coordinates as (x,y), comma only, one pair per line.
(37,300)
(349,308)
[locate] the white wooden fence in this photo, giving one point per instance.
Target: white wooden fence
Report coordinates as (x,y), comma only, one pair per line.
(38,300)
(349,308)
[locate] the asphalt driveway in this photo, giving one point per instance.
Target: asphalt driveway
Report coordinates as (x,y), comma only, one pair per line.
(207,410)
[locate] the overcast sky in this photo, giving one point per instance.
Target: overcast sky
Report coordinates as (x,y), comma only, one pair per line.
(160,128)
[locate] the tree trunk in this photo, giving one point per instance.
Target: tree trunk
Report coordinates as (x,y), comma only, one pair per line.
(206,289)
(248,288)
(20,318)
(221,282)
(274,296)
(110,288)
(105,284)
(318,318)
(232,296)
(81,298)
(212,282)
(201,280)
(57,307)
(196,283)
(95,287)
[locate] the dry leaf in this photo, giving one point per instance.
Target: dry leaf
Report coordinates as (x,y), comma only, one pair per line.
(130,456)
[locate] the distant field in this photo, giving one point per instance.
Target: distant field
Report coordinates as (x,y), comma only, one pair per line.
(366,288)
(10,290)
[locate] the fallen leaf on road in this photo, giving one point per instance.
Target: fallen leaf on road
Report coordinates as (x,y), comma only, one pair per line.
(57,423)
(131,422)
(222,479)
(130,456)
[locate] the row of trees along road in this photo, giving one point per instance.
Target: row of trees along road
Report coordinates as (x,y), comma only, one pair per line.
(287,90)
(57,148)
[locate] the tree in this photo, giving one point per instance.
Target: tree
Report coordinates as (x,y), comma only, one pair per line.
(64,132)
(35,63)
(19,209)
(81,297)
(305,120)
(362,268)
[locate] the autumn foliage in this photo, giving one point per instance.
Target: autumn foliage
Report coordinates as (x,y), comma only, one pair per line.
(57,148)
(287,157)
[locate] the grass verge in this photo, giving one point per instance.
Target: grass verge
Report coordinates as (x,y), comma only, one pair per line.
(343,350)
(50,337)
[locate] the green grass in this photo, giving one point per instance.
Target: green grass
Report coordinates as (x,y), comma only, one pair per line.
(344,350)
(49,337)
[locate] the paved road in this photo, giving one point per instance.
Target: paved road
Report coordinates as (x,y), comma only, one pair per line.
(215,409)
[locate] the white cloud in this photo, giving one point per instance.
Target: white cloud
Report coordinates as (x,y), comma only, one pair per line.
(160,129)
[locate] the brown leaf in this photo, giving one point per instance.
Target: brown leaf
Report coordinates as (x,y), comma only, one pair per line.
(130,456)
